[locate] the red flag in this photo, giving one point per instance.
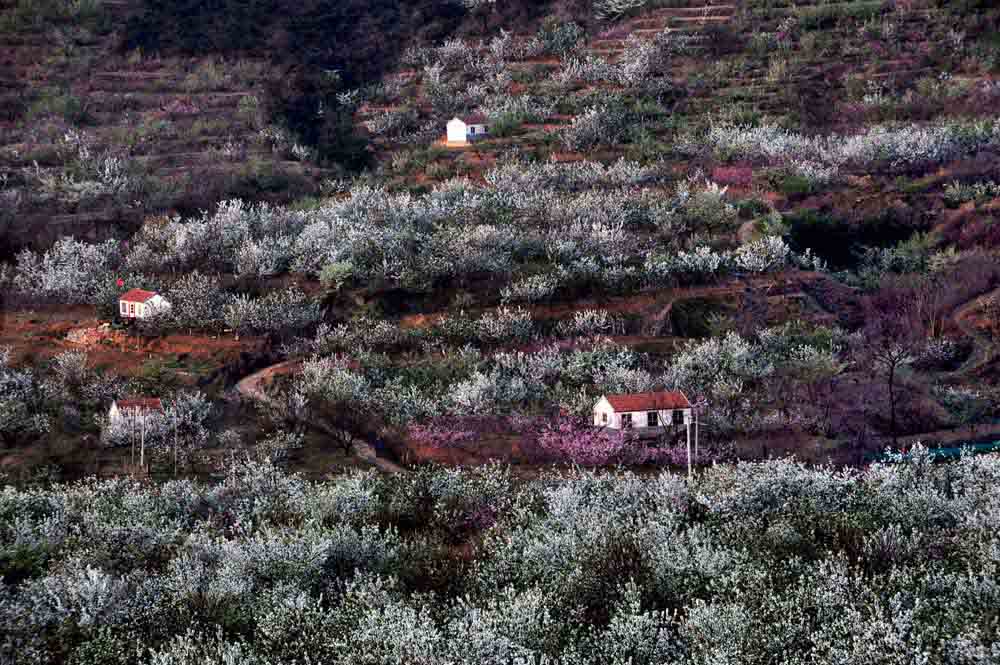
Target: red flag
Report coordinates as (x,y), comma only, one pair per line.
(121,282)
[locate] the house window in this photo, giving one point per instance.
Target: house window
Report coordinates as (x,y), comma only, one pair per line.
(604,418)
(123,307)
(626,421)
(652,419)
(678,417)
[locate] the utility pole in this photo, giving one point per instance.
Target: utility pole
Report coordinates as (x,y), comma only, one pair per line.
(175,443)
(142,441)
(694,412)
(688,427)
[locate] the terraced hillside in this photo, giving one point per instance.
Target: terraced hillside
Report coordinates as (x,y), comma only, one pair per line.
(93,138)
(789,212)
(822,67)
(698,237)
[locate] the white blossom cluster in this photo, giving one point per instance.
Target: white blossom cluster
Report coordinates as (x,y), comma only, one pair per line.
(766,254)
(523,107)
(724,371)
(700,207)
(391,123)
(598,125)
(764,562)
(94,173)
(956,193)
(589,225)
(589,68)
(575,176)
(590,322)
(459,228)
(21,399)
(503,382)
(643,59)
(609,10)
(533,289)
(893,146)
(239,237)
(500,326)
(288,309)
(71,271)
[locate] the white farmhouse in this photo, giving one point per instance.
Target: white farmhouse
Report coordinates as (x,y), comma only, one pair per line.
(141,304)
(643,410)
(467,128)
(648,414)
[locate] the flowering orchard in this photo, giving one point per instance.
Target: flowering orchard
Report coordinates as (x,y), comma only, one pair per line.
(818,158)
(764,562)
(728,376)
(582,225)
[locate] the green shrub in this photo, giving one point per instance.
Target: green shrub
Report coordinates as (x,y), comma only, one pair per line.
(37,15)
(694,317)
(560,38)
(918,186)
(794,185)
(263,180)
(506,125)
(820,17)
(64,104)
(335,275)
(750,208)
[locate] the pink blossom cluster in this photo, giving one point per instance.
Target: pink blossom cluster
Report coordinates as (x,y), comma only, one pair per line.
(563,440)
(741,176)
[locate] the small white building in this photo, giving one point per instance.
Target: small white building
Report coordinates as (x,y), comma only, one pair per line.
(134,411)
(467,128)
(641,411)
(141,304)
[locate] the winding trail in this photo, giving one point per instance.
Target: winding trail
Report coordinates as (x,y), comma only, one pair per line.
(983,352)
(252,387)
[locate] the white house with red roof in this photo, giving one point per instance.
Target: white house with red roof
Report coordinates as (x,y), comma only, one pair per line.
(141,304)
(643,410)
(467,128)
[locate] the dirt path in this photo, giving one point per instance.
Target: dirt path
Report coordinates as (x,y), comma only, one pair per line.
(253,387)
(982,345)
(983,352)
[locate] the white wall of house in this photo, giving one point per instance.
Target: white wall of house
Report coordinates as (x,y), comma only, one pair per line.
(142,310)
(606,416)
(457,131)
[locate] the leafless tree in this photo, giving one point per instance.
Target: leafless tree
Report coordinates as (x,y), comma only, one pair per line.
(891,336)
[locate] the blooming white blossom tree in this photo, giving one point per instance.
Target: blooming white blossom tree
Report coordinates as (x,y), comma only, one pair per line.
(71,271)
(21,399)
